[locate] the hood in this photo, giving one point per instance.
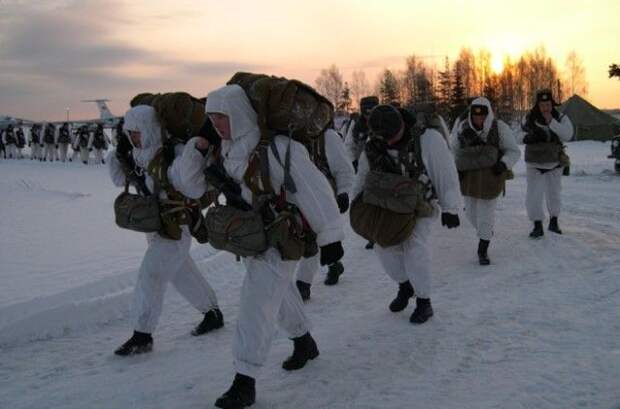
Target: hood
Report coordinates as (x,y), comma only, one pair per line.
(232,101)
(488,122)
(143,119)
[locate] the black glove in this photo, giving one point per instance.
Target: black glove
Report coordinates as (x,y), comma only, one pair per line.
(90,149)
(331,253)
(343,202)
(450,220)
(499,168)
(355,163)
(555,114)
(56,146)
(29,143)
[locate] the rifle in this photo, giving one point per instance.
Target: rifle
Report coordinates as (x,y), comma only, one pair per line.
(128,164)
(217,177)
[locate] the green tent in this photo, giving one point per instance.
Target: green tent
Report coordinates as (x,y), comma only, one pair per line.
(589,121)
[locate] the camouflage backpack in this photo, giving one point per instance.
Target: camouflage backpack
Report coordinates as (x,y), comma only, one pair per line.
(387,209)
(181,114)
(285,107)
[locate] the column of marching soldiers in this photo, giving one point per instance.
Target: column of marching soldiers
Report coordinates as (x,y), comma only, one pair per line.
(403,170)
(48,142)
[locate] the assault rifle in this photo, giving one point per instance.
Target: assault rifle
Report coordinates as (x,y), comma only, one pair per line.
(123,154)
(216,176)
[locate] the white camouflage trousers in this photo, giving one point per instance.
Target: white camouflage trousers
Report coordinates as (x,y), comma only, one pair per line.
(50,152)
(62,150)
(268,296)
(36,151)
(411,260)
(481,215)
(543,186)
(307,268)
(168,261)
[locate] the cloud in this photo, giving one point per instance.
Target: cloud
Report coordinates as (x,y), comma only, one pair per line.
(69,50)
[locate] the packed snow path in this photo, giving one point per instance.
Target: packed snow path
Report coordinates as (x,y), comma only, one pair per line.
(538,328)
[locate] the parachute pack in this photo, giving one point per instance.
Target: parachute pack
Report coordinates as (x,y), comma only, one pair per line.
(286,107)
(181,114)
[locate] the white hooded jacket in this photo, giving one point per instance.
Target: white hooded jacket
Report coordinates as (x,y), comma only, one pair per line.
(314,196)
(507,143)
(185,172)
(338,161)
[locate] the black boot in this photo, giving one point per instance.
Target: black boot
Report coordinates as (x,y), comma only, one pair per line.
(553,225)
(483,257)
(213,320)
(241,394)
(538,230)
(370,245)
(304,350)
(423,311)
(334,272)
(405,292)
(304,290)
(139,343)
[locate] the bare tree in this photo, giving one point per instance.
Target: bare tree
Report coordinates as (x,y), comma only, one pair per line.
(330,84)
(468,72)
(359,87)
(575,74)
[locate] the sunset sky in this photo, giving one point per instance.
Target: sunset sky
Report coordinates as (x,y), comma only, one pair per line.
(53,53)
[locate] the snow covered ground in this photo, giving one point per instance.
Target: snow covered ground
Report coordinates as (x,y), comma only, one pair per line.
(539,328)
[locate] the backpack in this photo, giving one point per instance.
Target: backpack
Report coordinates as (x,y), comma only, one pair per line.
(179,113)
(270,222)
(286,107)
(387,209)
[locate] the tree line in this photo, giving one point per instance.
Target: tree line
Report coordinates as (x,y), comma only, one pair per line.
(450,86)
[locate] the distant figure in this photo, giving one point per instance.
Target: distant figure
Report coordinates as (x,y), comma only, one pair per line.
(2,147)
(36,142)
(50,139)
(99,142)
(545,130)
(10,141)
(81,143)
(21,142)
(64,139)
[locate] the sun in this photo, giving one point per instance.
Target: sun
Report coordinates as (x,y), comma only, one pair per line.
(497,63)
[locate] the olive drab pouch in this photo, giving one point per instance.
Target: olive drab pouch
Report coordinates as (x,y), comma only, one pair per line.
(137,213)
(286,234)
(241,232)
(544,152)
(564,158)
(476,157)
(382,226)
(397,193)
